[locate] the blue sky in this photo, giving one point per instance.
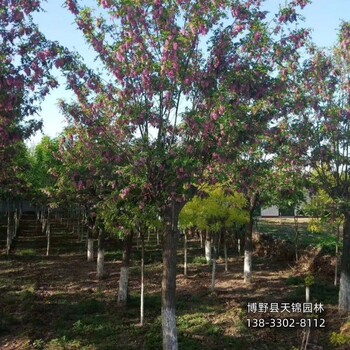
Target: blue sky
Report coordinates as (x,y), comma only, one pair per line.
(322,16)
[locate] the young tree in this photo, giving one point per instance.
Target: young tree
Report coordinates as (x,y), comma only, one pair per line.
(84,183)
(249,105)
(261,159)
(321,133)
(289,192)
(325,210)
(251,176)
(217,212)
(44,165)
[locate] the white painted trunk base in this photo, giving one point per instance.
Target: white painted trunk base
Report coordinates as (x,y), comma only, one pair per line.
(123,285)
(100,263)
(142,281)
(208,251)
(344,292)
(247,266)
(16,218)
(48,237)
(226,258)
(142,304)
(307,294)
(8,243)
(213,273)
(169,329)
(90,249)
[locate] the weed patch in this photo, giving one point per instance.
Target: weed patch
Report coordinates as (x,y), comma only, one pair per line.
(199,260)
(27,252)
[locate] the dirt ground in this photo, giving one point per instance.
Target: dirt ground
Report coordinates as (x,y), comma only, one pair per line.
(36,290)
(57,303)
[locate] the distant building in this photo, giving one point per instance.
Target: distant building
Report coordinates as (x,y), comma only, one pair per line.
(291,211)
(275,211)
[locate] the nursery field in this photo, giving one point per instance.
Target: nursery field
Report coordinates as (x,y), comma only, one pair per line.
(175,122)
(56,302)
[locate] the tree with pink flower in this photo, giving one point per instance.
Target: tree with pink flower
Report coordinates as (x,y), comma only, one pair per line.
(321,133)
(165,95)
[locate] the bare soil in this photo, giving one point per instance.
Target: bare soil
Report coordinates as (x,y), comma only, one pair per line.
(57,302)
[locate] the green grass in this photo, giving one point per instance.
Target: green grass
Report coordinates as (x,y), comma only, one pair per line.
(114,255)
(326,241)
(197,323)
(199,260)
(27,252)
(151,302)
(320,292)
(295,281)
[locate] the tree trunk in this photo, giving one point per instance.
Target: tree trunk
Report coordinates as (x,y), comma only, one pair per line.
(142,296)
(16,217)
(78,228)
(257,224)
(43,223)
(48,237)
(82,228)
(237,241)
(344,287)
(101,253)
(225,252)
(124,271)
(170,239)
(123,285)
(213,271)
(248,250)
(185,254)
(218,245)
(90,249)
(336,255)
(208,249)
(296,242)
(8,238)
(307,294)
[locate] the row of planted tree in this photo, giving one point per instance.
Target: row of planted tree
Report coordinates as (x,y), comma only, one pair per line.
(187,94)
(212,220)
(217,217)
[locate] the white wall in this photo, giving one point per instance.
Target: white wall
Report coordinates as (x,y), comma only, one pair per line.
(270,211)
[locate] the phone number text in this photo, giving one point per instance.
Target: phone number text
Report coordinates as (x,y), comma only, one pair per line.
(286,322)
